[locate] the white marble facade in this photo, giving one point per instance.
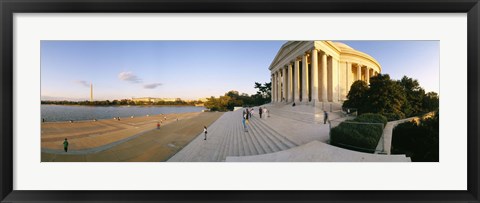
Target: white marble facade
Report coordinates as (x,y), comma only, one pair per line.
(318,71)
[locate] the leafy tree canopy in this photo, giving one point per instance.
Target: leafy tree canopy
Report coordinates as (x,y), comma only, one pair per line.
(391,98)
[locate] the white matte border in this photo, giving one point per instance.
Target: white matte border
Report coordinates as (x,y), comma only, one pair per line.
(449,174)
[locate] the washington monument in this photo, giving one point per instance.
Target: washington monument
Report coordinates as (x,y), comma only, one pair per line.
(91,92)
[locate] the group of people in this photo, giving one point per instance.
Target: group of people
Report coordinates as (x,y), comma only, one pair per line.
(247,114)
(263,110)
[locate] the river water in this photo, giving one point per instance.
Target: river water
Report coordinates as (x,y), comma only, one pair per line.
(76,113)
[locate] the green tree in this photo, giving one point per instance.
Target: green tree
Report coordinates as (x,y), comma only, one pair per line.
(414,96)
(235,100)
(430,102)
(212,103)
(220,104)
(264,93)
(420,141)
(357,96)
(385,97)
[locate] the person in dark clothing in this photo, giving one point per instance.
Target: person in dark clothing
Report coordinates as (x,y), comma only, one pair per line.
(260,111)
(205,131)
(65,145)
(325,117)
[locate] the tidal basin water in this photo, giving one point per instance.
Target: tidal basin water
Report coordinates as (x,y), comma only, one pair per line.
(76,113)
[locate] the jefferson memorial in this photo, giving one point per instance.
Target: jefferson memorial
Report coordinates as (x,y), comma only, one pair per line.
(309,72)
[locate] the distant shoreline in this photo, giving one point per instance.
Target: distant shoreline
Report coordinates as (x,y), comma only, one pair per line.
(122,105)
(79,113)
(124,118)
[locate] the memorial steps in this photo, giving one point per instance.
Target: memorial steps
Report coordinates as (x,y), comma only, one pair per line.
(301,139)
(316,151)
(309,113)
(298,116)
(226,137)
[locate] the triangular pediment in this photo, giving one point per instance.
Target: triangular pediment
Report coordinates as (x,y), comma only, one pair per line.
(285,50)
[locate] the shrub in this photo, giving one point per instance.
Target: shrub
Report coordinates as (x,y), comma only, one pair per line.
(394,116)
(371,118)
(358,136)
(419,142)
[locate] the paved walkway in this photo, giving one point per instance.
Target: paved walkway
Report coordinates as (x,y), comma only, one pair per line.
(385,143)
(316,151)
(151,146)
(83,135)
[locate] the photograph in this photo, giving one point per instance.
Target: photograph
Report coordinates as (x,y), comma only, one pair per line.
(251,101)
(239,100)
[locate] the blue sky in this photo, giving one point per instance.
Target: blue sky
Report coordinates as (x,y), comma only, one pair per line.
(416,59)
(196,69)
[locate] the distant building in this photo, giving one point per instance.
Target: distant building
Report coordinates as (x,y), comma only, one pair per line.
(203,99)
(153,99)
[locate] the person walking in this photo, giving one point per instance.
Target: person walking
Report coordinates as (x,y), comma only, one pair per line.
(244,118)
(205,131)
(260,112)
(65,145)
(158,125)
(325,117)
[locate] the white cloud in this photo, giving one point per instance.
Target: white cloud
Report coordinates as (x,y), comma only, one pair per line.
(129,77)
(83,83)
(152,85)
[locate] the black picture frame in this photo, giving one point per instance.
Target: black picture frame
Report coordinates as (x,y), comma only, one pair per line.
(10,7)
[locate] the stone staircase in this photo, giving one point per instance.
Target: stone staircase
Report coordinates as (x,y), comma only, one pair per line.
(306,113)
(298,141)
(294,115)
(226,137)
(316,151)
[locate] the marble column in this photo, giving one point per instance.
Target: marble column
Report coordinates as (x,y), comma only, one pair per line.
(289,83)
(367,75)
(304,79)
(349,70)
(314,79)
(335,83)
(284,86)
(359,72)
(296,81)
(324,78)
(278,86)
(272,93)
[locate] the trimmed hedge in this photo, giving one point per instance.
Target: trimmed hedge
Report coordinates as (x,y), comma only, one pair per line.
(394,116)
(358,136)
